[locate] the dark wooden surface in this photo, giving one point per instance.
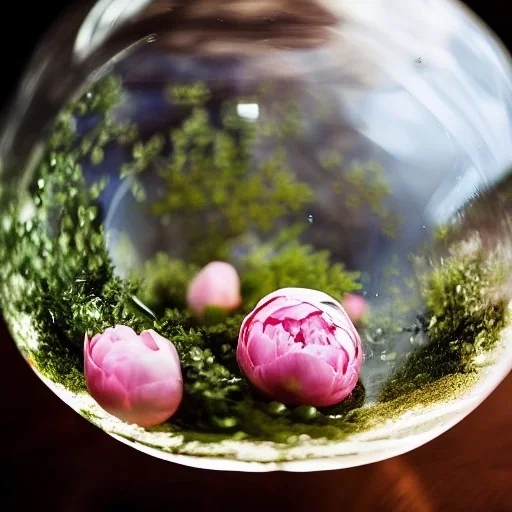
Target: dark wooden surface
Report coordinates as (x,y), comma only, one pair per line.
(54,460)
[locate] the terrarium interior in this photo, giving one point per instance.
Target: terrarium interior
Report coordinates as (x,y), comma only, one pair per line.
(282,149)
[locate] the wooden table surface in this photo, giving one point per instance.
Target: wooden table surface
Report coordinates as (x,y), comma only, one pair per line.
(54,460)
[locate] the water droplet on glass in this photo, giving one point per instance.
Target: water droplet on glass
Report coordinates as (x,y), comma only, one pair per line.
(310,219)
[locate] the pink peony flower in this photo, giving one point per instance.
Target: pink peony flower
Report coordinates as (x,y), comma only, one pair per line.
(216,285)
(135,378)
(355,306)
(300,347)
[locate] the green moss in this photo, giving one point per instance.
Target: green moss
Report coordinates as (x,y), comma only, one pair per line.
(219,400)
(464,318)
(59,363)
(55,267)
(189,95)
(365,188)
(354,401)
(291,264)
(285,425)
(441,390)
(165,281)
(210,175)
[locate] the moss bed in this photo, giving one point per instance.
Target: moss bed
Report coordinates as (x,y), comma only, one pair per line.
(56,269)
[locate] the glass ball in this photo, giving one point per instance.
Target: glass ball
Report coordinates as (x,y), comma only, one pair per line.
(358,149)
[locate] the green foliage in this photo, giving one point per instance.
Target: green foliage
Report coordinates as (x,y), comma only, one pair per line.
(103,96)
(211,183)
(60,364)
(194,94)
(207,383)
(56,261)
(99,102)
(55,267)
(143,156)
(291,264)
(364,187)
(463,320)
(227,180)
(165,281)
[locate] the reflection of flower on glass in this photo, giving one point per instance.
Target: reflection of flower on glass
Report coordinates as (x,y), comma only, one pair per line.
(300,347)
(136,378)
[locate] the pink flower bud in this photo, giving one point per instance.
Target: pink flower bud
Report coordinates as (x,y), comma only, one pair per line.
(300,347)
(216,285)
(355,306)
(135,378)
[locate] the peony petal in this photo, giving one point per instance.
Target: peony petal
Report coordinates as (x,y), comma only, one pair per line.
(94,340)
(272,298)
(122,358)
(298,378)
(260,347)
(300,295)
(108,392)
(355,306)
(122,333)
(242,357)
(154,403)
(300,346)
(133,377)
(90,367)
(167,347)
(337,316)
(100,349)
(315,330)
(148,341)
(134,365)
(297,312)
(154,368)
(266,310)
(333,356)
(283,340)
(344,384)
(348,340)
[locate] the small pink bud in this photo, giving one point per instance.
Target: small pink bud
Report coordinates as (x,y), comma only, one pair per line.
(216,285)
(355,306)
(136,378)
(300,347)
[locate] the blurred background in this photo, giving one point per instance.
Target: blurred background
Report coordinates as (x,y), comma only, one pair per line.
(53,459)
